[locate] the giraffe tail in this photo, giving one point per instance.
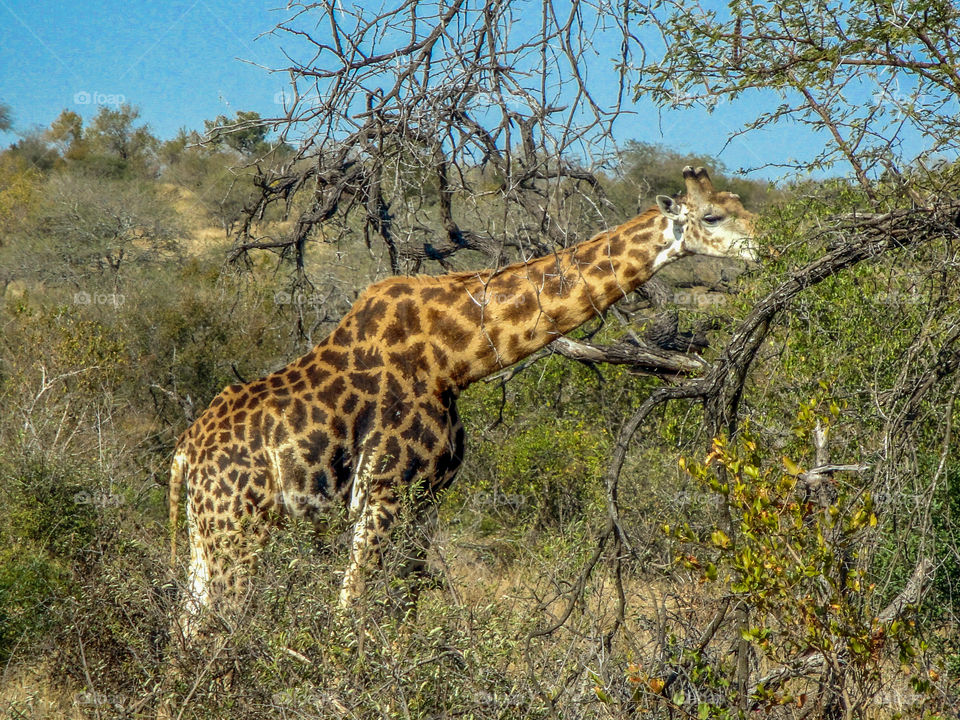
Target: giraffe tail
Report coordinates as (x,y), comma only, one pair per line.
(176,483)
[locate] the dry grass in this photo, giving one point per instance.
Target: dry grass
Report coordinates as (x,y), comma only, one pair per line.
(36,691)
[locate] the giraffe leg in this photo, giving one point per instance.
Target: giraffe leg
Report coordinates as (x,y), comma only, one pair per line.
(414,572)
(187,623)
(217,579)
(198,591)
(413,575)
(373,526)
(373,509)
(361,551)
(217,583)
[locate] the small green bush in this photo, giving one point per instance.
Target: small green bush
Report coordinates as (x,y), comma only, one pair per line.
(48,521)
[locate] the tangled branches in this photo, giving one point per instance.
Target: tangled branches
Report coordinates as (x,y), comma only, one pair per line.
(431,120)
(852,239)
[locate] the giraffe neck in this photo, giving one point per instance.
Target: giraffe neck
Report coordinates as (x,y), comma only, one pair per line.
(524,307)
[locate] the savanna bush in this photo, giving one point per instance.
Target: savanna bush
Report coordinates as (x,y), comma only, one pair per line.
(48,526)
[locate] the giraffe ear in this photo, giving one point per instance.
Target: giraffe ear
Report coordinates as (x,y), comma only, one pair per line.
(668,206)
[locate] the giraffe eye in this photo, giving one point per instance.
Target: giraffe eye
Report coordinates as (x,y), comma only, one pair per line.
(712,219)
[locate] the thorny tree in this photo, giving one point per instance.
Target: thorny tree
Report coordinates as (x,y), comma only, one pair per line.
(438,127)
(873,80)
(434,128)
(876,80)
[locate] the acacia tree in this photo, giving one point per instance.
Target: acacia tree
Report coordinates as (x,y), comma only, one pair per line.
(877,80)
(444,126)
(6,119)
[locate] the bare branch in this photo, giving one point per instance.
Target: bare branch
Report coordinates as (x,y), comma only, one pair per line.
(641,358)
(439,129)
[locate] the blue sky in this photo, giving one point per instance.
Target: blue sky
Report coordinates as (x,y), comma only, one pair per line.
(184,61)
(180,61)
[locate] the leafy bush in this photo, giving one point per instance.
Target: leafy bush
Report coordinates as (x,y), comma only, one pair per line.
(47,524)
(790,568)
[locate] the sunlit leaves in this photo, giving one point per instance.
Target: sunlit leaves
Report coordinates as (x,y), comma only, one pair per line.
(787,557)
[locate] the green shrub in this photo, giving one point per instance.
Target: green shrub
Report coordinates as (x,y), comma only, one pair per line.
(48,521)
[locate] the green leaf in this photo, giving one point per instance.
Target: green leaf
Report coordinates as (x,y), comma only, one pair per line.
(720,539)
(792,467)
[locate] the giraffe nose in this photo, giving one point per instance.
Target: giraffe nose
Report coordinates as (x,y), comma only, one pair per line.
(748,250)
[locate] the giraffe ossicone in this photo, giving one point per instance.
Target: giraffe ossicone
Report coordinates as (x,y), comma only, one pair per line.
(370,412)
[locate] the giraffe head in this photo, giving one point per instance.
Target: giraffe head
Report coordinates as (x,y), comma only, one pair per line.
(708,222)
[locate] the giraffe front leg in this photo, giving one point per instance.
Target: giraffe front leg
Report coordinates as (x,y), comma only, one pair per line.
(197,594)
(413,574)
(375,513)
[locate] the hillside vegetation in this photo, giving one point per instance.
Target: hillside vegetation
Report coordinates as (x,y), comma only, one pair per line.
(727,565)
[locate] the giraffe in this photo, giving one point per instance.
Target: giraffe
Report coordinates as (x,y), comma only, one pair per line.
(370,414)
